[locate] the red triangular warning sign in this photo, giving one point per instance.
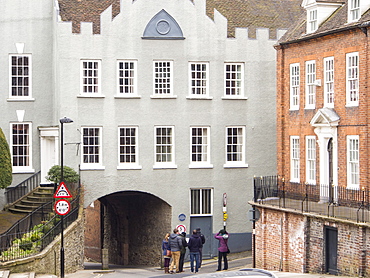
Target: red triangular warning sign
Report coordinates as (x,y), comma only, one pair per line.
(62,191)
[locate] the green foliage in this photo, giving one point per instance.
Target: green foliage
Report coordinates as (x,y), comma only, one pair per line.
(28,244)
(69,174)
(5,162)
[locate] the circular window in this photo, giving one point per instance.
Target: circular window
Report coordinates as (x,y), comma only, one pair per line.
(163,27)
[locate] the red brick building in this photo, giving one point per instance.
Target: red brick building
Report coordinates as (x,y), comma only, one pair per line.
(315,216)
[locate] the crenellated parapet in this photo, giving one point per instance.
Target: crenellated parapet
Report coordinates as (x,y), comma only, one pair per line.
(252,15)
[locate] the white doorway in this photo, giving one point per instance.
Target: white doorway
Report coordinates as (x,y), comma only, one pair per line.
(49,155)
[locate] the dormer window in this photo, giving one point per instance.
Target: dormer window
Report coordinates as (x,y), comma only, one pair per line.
(318,11)
(354,10)
(312,21)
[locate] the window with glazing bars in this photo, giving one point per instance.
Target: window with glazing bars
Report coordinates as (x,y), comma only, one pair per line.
(127,139)
(91,145)
(199,144)
(90,77)
(20,75)
(198,78)
(164,144)
(162,78)
(233,79)
(127,77)
(235,144)
(21,145)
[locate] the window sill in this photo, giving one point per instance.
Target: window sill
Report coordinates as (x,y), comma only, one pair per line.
(129,167)
(19,99)
(129,97)
(201,166)
(162,96)
(23,170)
(234,98)
(164,166)
(294,109)
(353,187)
(241,165)
(91,167)
(351,105)
(91,96)
(199,97)
(309,108)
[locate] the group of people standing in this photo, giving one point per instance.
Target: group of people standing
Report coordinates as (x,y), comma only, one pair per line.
(174,250)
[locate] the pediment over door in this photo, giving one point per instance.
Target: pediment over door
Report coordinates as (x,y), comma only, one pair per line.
(325,117)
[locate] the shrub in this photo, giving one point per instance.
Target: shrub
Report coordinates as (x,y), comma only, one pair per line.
(5,162)
(69,175)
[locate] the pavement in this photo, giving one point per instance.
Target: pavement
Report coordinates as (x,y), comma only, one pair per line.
(94,270)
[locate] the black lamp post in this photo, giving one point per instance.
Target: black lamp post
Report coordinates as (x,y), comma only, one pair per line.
(62,121)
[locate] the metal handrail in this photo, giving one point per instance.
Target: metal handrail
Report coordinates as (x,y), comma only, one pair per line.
(14,193)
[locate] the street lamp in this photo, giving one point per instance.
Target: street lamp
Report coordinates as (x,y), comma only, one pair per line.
(62,121)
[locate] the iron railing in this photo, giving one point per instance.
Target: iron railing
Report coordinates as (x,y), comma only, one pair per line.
(330,200)
(14,193)
(31,234)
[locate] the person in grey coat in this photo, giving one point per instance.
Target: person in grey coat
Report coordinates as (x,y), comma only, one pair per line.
(175,242)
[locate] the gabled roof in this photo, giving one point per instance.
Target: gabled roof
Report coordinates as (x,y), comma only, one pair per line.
(325,117)
(337,22)
(251,14)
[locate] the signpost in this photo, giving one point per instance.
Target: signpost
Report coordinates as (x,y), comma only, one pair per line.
(62,207)
(224,210)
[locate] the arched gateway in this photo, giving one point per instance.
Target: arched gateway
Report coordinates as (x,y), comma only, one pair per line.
(130,225)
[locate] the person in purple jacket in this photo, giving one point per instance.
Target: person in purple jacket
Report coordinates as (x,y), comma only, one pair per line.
(223,237)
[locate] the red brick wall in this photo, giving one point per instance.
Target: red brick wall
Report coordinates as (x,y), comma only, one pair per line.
(353,120)
(295,242)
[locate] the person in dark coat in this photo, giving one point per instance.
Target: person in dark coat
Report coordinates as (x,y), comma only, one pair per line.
(201,249)
(194,244)
(183,251)
(223,237)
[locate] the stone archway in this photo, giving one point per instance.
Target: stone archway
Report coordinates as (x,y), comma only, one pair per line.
(130,225)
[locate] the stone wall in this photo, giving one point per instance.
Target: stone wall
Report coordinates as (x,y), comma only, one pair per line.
(48,261)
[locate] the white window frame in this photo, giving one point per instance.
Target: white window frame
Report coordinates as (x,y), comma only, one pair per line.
(310,84)
(200,147)
(312,21)
(329,82)
(127,142)
(353,162)
(89,88)
(352,78)
(234,80)
(294,159)
(198,80)
(159,144)
(163,79)
(20,77)
(92,165)
(28,145)
(235,146)
(127,78)
(294,86)
(311,159)
(197,200)
(354,10)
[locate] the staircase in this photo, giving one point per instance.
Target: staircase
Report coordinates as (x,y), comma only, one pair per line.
(31,201)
